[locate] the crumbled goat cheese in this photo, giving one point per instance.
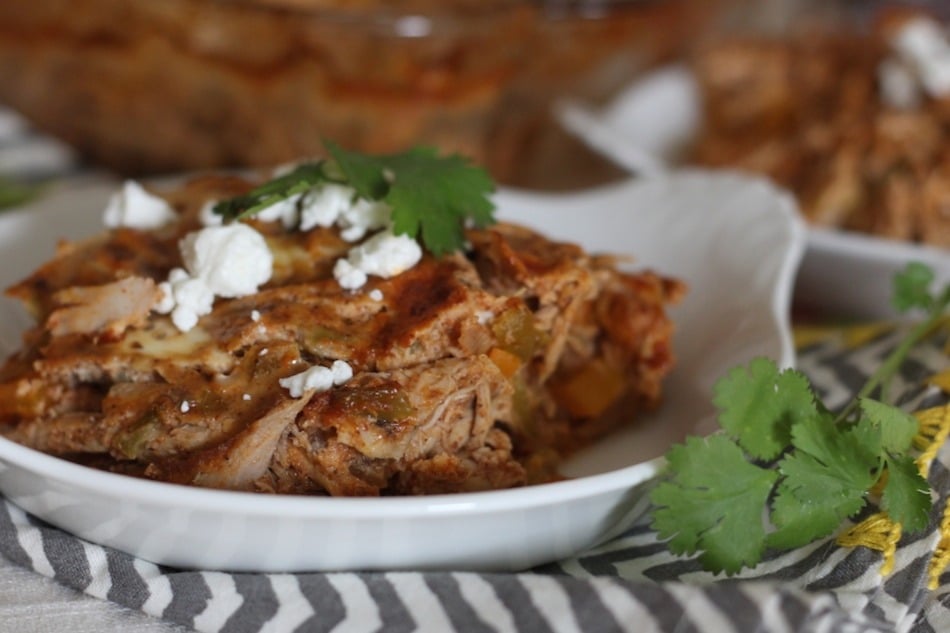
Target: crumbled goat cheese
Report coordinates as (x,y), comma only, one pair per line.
(207,216)
(923,47)
(348,275)
(286,210)
(185,407)
(233,260)
(264,352)
(225,261)
(246,397)
(386,254)
(324,205)
(484,316)
(255,316)
(383,255)
(363,216)
(135,208)
(376,294)
(317,378)
(186,298)
(167,288)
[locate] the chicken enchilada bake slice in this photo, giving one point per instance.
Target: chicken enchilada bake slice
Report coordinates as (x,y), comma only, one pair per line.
(312,349)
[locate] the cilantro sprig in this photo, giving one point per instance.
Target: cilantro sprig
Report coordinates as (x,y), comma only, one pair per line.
(784,470)
(432,197)
(300,179)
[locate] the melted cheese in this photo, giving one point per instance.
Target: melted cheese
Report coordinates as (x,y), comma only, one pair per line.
(163,340)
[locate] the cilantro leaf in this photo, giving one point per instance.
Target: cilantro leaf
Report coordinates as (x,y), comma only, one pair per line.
(759,404)
(906,494)
(800,521)
(897,427)
(825,480)
(713,502)
(364,173)
(817,494)
(912,287)
(840,458)
(430,196)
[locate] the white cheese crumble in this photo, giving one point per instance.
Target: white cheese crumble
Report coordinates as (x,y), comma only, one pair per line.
(348,275)
(317,378)
(384,255)
(207,216)
(484,316)
(324,205)
(246,397)
(185,406)
(922,47)
(233,260)
(285,210)
(186,298)
(135,208)
(264,352)
(225,261)
(361,217)
(255,316)
(376,294)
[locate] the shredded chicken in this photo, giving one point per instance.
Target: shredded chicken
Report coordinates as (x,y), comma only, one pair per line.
(106,310)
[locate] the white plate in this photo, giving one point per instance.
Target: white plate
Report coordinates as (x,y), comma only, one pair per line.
(843,273)
(736,241)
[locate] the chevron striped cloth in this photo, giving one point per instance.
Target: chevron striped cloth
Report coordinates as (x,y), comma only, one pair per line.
(875,581)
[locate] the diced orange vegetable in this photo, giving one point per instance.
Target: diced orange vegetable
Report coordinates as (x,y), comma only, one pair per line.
(589,392)
(507,362)
(20,399)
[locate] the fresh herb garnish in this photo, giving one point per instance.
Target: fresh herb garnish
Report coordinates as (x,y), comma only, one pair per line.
(301,179)
(431,197)
(785,471)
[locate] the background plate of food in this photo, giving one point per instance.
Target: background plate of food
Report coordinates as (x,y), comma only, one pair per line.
(734,241)
(847,115)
